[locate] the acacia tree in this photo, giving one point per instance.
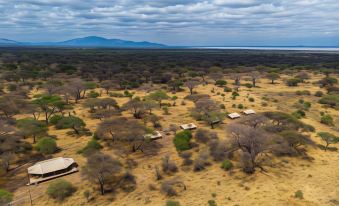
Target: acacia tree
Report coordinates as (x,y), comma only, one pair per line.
(252,142)
(11,105)
(191,84)
(303,75)
(272,76)
(71,122)
(32,127)
(208,111)
(49,104)
(328,138)
(136,106)
(236,78)
(107,85)
(158,96)
(255,75)
(10,141)
(132,132)
(101,169)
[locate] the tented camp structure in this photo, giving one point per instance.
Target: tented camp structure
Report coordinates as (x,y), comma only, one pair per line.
(189,126)
(156,135)
(249,111)
(52,168)
(234,115)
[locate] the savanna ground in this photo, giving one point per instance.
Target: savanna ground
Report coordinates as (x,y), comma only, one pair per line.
(317,177)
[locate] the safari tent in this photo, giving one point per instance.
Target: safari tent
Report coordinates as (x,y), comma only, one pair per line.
(52,168)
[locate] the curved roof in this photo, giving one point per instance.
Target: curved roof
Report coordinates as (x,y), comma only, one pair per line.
(50,165)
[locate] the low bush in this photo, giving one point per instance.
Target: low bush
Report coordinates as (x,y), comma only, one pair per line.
(203,135)
(172,203)
(182,140)
(212,203)
(251,99)
(319,94)
(299,194)
(227,165)
(46,145)
(5,197)
(60,189)
(293,82)
(168,166)
(187,158)
(91,147)
(327,119)
(299,114)
(227,89)
(330,100)
(303,92)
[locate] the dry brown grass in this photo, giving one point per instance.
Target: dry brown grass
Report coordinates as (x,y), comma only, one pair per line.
(317,179)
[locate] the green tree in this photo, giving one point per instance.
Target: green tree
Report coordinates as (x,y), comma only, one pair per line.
(71,122)
(328,138)
(31,127)
(49,104)
(272,76)
(47,145)
(60,189)
(158,96)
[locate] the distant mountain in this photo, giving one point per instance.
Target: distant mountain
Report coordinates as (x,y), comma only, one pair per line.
(8,42)
(90,41)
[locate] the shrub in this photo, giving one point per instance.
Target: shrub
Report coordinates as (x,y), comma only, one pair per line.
(330,100)
(220,82)
(299,114)
(303,92)
(5,197)
(60,189)
(187,158)
(299,194)
(203,135)
(293,82)
(212,203)
(201,161)
(172,203)
(222,106)
(91,147)
(327,119)
(248,85)
(227,165)
(240,106)
(168,166)
(47,145)
(251,99)
(93,94)
(168,189)
(319,94)
(182,140)
(227,89)
(55,119)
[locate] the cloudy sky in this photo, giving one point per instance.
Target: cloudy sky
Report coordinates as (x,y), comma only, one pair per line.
(174,22)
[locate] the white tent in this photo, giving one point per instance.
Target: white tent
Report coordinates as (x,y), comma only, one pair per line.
(156,135)
(249,111)
(50,165)
(189,126)
(234,115)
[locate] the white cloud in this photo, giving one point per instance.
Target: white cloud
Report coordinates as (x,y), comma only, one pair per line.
(168,21)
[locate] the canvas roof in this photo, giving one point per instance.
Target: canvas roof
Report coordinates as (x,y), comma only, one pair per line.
(234,115)
(249,111)
(50,165)
(188,126)
(156,135)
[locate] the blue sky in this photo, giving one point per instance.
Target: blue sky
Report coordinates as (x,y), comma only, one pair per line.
(174,22)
